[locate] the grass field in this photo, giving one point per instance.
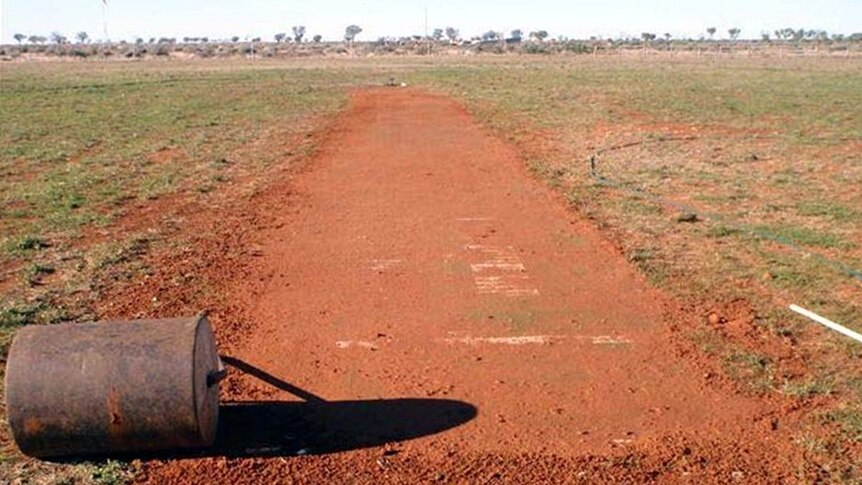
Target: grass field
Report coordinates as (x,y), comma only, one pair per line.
(768,153)
(84,144)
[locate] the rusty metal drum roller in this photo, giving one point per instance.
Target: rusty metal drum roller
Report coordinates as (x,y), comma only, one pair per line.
(113,387)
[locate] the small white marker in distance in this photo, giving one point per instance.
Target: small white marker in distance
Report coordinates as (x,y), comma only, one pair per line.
(474,219)
(827,323)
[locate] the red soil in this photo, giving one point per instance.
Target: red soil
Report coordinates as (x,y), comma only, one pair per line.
(443,316)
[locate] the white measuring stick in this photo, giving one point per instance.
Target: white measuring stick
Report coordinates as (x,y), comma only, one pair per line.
(828,323)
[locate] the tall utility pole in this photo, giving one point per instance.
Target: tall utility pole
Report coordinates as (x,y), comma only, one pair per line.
(105,19)
(427,40)
(105,40)
(2,20)
(105,36)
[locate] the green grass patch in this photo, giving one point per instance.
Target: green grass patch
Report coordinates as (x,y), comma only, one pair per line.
(720,231)
(12,317)
(753,369)
(848,420)
(802,236)
(825,208)
(807,387)
(26,243)
(34,272)
(75,141)
(112,472)
(15,316)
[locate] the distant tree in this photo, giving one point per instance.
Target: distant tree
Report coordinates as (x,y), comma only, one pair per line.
(205,39)
(256,40)
(516,35)
(58,38)
(298,33)
(317,38)
(490,36)
(437,35)
(19,38)
(711,31)
(648,37)
(734,33)
(855,37)
(764,36)
(838,37)
(279,37)
(351,32)
(36,39)
(539,35)
(667,37)
(452,34)
(139,41)
(234,39)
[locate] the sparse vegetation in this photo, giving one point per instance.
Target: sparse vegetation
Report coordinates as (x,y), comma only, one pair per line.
(787,42)
(351,32)
(111,472)
(756,370)
(122,136)
(848,420)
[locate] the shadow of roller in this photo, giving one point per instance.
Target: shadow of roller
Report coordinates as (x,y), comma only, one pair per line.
(316,426)
(313,428)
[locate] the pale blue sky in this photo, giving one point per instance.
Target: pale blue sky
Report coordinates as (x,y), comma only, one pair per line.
(128,19)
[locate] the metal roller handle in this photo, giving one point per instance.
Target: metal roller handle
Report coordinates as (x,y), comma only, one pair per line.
(218,375)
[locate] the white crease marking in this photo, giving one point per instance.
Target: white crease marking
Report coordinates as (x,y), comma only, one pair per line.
(346,344)
(533,339)
(381,264)
(608,340)
(538,339)
(502,272)
(499,264)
